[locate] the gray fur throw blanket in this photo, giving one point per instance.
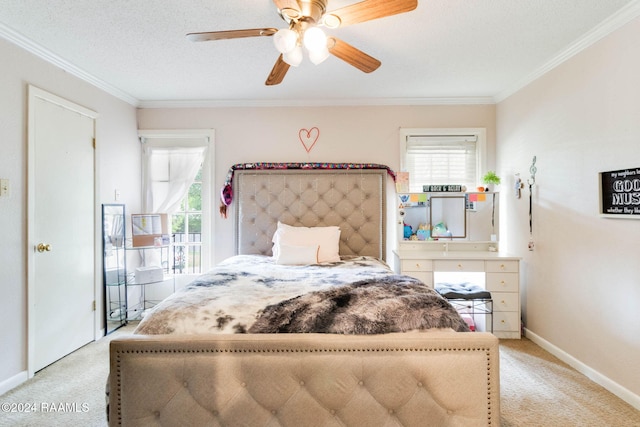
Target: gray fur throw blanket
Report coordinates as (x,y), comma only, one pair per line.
(394,303)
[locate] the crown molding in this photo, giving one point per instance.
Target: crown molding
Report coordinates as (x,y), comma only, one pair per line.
(42,53)
(330,102)
(606,27)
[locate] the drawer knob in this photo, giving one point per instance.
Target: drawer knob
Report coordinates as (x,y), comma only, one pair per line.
(502,302)
(460,266)
(502,321)
(502,282)
(501,266)
(418,264)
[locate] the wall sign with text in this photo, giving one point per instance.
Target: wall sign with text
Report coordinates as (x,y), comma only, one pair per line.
(620,193)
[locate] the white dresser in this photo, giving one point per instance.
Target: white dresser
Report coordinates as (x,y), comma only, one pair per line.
(502,279)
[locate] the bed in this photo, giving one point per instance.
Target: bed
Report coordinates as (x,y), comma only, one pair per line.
(271,339)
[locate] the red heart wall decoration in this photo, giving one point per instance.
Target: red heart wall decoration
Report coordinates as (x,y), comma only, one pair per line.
(309,137)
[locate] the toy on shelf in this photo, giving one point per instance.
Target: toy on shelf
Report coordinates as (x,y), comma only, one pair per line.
(440,230)
(408,231)
(424,232)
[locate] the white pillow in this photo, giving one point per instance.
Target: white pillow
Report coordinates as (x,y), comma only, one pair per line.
(297,255)
(327,238)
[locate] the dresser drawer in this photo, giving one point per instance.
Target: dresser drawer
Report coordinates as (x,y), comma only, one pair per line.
(416,265)
(506,321)
(502,282)
(458,265)
(497,266)
(505,301)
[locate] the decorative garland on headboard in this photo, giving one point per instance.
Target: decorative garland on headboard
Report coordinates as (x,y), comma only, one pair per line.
(226,194)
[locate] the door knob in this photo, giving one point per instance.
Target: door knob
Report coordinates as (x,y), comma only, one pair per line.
(43,248)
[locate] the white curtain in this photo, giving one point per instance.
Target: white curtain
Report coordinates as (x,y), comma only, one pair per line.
(168,173)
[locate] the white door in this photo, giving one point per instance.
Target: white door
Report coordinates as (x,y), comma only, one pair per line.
(60,228)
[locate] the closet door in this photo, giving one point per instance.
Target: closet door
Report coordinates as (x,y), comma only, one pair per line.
(61,231)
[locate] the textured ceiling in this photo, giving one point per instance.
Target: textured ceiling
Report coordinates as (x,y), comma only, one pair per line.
(444,51)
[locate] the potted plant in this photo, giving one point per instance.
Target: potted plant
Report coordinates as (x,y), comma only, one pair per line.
(490,178)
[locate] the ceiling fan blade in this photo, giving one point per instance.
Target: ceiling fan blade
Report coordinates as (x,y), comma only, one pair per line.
(352,55)
(278,72)
(372,9)
(232,34)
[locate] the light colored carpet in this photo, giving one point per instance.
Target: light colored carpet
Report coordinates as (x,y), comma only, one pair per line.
(75,385)
(536,390)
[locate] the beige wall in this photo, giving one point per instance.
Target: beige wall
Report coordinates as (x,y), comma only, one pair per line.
(118,157)
(582,282)
(347,134)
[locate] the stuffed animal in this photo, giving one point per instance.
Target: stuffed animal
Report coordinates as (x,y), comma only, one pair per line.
(440,230)
(408,231)
(423,232)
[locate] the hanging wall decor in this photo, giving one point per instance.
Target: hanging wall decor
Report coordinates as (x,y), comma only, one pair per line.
(531,181)
(518,186)
(308,138)
(620,193)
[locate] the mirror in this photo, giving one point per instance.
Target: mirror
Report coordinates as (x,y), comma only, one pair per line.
(470,216)
(114,266)
(447,216)
(483,216)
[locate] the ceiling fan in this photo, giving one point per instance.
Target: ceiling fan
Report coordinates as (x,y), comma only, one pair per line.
(305,17)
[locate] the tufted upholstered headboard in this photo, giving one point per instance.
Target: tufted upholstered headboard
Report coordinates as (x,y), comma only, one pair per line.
(354,200)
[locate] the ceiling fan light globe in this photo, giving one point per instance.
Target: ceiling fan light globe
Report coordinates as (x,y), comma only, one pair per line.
(285,40)
(314,39)
(318,56)
(293,58)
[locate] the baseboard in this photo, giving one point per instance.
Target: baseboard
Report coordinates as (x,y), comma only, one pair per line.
(13,382)
(595,376)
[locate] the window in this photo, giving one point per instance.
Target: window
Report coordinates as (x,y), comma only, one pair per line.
(442,156)
(176,175)
(186,226)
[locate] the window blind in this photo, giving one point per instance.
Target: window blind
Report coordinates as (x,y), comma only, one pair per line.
(446,159)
